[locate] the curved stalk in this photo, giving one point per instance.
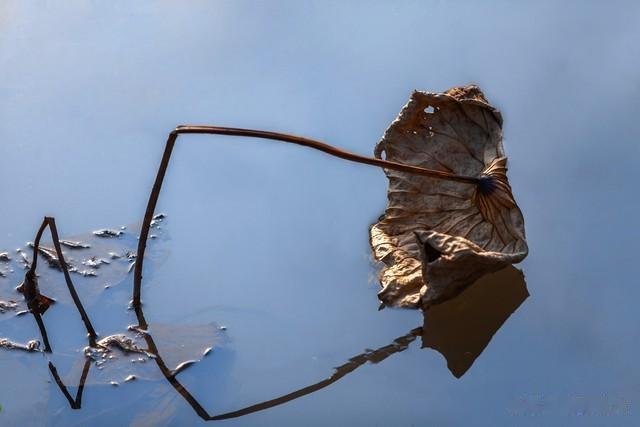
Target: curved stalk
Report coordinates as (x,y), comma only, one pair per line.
(32,293)
(293,139)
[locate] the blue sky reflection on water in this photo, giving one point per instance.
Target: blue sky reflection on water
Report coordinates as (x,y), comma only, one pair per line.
(271,240)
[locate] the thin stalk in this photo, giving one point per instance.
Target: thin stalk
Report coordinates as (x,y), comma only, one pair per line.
(293,139)
(91,333)
(31,289)
(43,331)
(77,402)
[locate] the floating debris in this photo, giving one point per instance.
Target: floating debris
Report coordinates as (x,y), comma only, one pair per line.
(182,366)
(31,346)
(74,245)
(103,349)
(49,254)
(114,383)
(96,254)
(222,328)
(207,351)
(157,219)
(8,306)
(24,260)
(107,232)
(4,272)
(137,329)
(5,258)
(84,273)
(95,262)
(121,341)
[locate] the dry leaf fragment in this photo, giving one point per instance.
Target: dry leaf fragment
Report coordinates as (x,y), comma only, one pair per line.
(438,236)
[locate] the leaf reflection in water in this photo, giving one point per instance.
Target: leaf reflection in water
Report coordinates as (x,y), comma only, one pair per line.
(461,328)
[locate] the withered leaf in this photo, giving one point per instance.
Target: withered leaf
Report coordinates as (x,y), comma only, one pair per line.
(438,236)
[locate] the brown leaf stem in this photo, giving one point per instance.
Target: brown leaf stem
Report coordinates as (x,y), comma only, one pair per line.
(298,140)
(32,293)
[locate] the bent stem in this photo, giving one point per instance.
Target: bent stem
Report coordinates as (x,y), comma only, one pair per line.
(77,402)
(32,290)
(293,139)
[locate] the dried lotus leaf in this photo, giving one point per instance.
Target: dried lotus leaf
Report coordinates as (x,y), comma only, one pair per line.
(438,236)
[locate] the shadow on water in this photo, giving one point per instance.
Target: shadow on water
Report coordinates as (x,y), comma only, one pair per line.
(461,328)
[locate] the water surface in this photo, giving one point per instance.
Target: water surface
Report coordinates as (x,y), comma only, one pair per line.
(271,241)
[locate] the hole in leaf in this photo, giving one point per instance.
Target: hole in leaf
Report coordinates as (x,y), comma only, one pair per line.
(429,110)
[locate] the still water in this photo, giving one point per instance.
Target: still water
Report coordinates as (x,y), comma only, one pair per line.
(264,252)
